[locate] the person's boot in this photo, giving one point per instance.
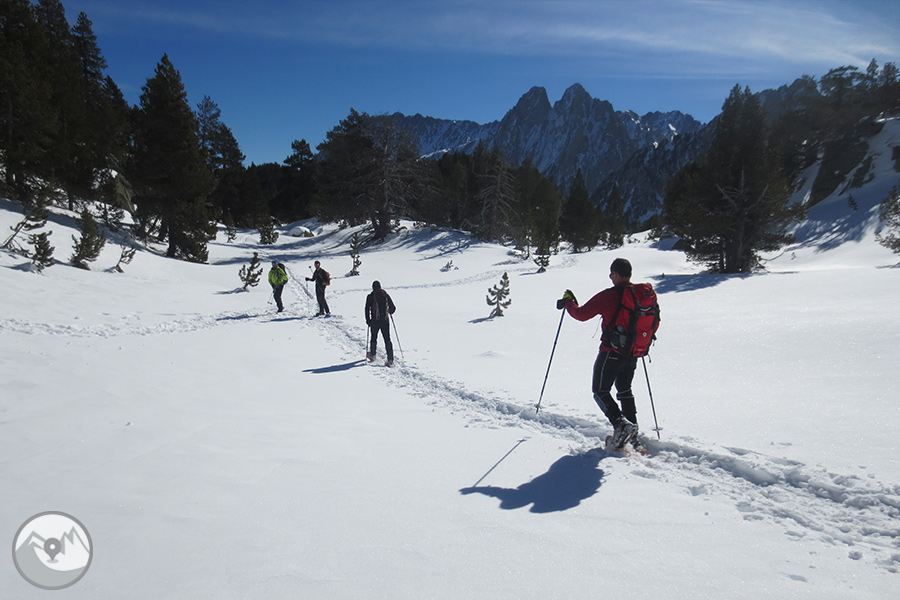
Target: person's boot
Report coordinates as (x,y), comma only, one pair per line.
(623,430)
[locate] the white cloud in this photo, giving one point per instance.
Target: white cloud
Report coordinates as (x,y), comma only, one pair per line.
(690,32)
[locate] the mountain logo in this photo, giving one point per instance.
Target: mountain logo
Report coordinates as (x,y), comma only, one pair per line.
(52,550)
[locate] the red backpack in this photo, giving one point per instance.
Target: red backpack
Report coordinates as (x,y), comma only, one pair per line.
(633,327)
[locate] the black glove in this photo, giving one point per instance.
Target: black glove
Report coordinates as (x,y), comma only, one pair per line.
(568,295)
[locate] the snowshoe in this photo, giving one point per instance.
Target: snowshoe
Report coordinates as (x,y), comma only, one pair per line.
(623,431)
(637,445)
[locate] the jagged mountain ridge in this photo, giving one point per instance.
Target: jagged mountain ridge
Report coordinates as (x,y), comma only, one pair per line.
(577,132)
(636,154)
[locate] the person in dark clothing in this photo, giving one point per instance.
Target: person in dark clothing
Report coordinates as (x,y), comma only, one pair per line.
(610,367)
(277,279)
(322,279)
(379,308)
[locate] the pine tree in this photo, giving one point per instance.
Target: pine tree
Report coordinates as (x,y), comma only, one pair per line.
(104,142)
(171,179)
(251,273)
(126,255)
(35,211)
(68,158)
(87,248)
(614,219)
(497,296)
(733,203)
(890,216)
(230,230)
(370,171)
(578,220)
(42,255)
(496,199)
(347,166)
(220,148)
(29,119)
(538,211)
(267,233)
(296,189)
(355,246)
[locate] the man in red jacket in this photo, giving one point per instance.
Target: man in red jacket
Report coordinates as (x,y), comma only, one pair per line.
(611,367)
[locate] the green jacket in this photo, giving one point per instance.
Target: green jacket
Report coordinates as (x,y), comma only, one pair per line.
(277,276)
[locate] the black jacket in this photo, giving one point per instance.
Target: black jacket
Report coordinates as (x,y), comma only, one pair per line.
(379,307)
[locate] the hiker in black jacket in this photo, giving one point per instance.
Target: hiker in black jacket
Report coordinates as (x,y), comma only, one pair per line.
(322,279)
(379,308)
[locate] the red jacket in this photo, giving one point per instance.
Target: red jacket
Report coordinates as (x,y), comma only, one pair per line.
(604,304)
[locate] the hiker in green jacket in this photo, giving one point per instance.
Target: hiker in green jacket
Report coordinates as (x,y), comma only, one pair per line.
(277,279)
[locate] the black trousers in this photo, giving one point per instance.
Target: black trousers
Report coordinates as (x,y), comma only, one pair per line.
(320,296)
(612,368)
(276,291)
(385,328)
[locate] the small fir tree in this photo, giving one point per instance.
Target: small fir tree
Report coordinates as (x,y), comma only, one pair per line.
(250,274)
(42,256)
(355,246)
(92,240)
(267,233)
(542,255)
(497,296)
(35,211)
(125,256)
(230,230)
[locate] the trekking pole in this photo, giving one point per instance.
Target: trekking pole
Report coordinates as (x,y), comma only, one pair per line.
(537,407)
(655,422)
(307,288)
(397,335)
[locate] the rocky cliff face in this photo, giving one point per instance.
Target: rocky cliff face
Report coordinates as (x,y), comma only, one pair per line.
(577,132)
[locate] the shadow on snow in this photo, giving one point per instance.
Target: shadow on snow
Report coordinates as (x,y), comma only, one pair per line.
(569,480)
(337,368)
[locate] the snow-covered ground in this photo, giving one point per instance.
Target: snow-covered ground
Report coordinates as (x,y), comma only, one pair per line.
(216,449)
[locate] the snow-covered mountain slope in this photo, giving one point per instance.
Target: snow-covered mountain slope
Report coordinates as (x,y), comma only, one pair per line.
(216,448)
(576,132)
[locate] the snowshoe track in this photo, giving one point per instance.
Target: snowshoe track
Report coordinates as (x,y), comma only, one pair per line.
(808,501)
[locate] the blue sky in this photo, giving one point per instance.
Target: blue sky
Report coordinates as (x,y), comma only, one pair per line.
(282,70)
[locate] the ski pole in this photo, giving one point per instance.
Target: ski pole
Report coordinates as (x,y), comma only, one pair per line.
(397,335)
(307,288)
(649,391)
(537,407)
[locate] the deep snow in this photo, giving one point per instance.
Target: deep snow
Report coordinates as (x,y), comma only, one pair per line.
(216,449)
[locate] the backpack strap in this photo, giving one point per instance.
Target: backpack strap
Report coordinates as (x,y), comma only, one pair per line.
(607,330)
